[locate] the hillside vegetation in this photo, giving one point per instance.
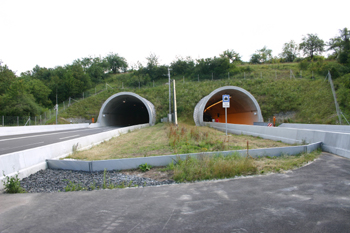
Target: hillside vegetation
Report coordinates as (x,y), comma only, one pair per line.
(305,99)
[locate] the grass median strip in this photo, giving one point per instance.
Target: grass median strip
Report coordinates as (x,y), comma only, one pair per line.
(164,139)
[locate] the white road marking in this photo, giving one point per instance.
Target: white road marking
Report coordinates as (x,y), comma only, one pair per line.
(9,148)
(9,139)
(70,136)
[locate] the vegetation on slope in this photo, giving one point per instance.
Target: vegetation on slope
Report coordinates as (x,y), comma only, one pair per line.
(310,99)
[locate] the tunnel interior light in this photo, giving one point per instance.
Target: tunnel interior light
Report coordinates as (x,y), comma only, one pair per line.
(213,105)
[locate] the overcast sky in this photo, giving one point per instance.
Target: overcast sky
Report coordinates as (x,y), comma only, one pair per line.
(54,33)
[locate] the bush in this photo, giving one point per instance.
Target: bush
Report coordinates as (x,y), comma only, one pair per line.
(335,68)
(12,184)
(298,59)
(303,65)
(342,86)
(318,58)
(145,167)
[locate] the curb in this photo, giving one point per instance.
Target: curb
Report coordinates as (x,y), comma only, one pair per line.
(158,161)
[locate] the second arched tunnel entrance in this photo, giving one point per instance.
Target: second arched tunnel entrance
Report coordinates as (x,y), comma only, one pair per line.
(244,109)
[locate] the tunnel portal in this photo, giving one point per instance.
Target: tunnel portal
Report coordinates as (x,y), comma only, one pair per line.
(126,109)
(244,109)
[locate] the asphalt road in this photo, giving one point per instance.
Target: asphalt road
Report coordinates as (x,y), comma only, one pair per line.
(314,198)
(13,143)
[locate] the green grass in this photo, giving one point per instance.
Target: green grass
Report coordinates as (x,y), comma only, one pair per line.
(165,139)
(219,166)
(284,162)
(208,168)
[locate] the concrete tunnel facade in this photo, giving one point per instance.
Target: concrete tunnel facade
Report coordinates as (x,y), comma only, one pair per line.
(244,109)
(125,109)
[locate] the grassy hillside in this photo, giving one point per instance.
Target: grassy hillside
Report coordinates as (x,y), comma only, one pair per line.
(305,100)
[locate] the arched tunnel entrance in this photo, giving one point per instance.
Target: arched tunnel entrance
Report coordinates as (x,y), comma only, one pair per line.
(125,109)
(244,109)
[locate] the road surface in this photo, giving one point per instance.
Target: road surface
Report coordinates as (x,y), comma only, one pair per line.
(14,143)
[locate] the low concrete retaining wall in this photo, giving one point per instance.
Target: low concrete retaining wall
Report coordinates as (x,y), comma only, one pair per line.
(29,161)
(334,142)
(15,130)
(132,163)
(329,128)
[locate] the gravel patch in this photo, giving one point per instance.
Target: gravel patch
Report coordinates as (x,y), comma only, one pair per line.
(48,181)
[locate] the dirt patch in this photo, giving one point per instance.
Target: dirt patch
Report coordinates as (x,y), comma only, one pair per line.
(155,173)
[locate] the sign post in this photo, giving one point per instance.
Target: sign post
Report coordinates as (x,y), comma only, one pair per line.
(226,104)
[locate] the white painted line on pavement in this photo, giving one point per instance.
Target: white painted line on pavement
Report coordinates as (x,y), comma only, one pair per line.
(8,139)
(70,136)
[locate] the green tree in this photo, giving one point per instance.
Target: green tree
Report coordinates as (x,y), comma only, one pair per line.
(231,55)
(209,66)
(75,82)
(341,46)
(182,66)
(152,65)
(139,72)
(312,45)
(220,65)
(261,56)
(18,102)
(255,59)
(161,71)
(39,91)
(7,76)
(290,51)
(116,63)
(85,62)
(266,54)
(41,73)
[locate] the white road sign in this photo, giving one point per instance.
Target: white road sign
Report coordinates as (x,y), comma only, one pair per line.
(225,101)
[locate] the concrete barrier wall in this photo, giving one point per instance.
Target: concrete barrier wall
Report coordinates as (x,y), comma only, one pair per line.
(329,128)
(29,161)
(15,130)
(132,163)
(334,142)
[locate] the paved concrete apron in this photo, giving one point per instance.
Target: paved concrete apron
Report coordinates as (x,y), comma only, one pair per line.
(315,198)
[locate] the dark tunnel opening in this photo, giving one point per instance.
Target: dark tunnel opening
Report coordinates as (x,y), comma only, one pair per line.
(125,110)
